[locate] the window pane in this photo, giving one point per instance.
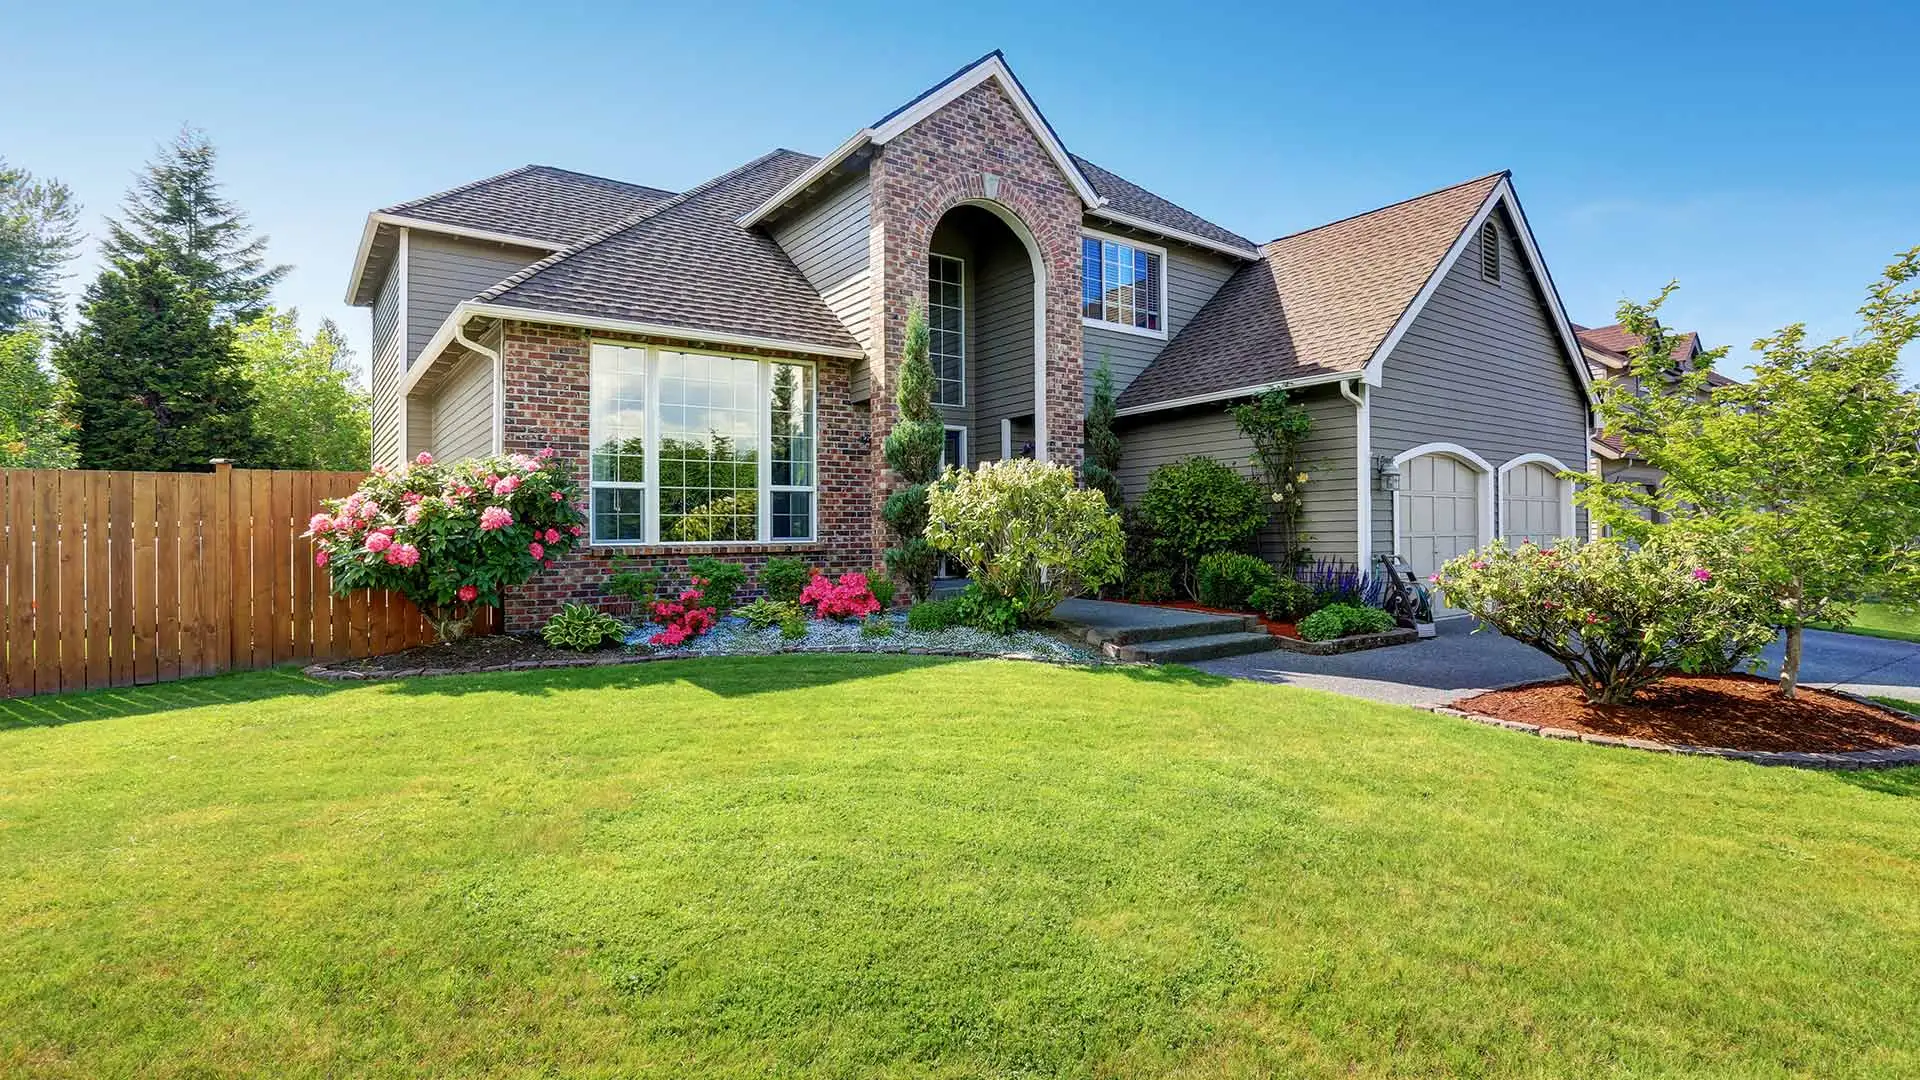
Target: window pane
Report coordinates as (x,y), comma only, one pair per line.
(792,515)
(709,454)
(619,515)
(946,320)
(1090,277)
(618,395)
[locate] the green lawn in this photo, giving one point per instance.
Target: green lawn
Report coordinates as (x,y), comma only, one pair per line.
(1885,621)
(898,866)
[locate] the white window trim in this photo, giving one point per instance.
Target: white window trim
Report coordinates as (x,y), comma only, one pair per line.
(651,484)
(962,403)
(1566,489)
(1138,245)
(962,429)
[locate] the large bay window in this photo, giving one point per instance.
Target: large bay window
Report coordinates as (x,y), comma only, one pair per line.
(695,448)
(1122,285)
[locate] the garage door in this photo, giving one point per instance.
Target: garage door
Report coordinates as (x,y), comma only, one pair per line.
(1439,512)
(1532,505)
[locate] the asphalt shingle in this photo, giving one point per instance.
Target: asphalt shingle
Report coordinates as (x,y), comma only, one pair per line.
(1130,198)
(538,202)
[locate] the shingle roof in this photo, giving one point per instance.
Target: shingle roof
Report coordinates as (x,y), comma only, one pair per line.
(1130,198)
(1319,302)
(538,202)
(688,263)
(1618,343)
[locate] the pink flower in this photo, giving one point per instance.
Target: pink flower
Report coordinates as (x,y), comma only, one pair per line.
(320,524)
(378,542)
(379,470)
(534,549)
(411,498)
(403,555)
(1433,579)
(576,529)
(557,497)
(467,594)
(1702,574)
(494,517)
(1479,566)
(553,536)
(545,453)
(424,458)
(320,557)
(413,515)
(505,486)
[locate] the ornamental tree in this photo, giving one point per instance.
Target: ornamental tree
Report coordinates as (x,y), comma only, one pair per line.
(912,448)
(1277,427)
(1811,468)
(1100,464)
(450,537)
(1025,532)
(1619,618)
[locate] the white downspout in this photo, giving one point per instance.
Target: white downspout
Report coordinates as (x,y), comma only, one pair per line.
(499,379)
(1351,389)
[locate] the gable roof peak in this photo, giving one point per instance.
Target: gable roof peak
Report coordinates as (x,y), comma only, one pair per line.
(1485,178)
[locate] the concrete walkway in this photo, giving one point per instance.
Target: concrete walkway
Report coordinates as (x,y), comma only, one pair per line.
(1459,663)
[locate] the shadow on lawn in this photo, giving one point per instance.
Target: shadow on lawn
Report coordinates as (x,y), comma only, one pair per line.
(56,710)
(1902,783)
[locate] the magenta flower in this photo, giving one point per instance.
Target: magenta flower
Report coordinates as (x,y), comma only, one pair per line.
(320,524)
(467,594)
(505,485)
(545,453)
(495,517)
(576,529)
(553,536)
(320,557)
(534,549)
(1479,566)
(557,497)
(1702,574)
(378,542)
(403,555)
(424,458)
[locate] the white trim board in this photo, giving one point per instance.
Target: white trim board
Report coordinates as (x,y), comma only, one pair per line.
(1138,245)
(377,219)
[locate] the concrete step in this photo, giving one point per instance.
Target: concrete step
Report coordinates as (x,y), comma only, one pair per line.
(1168,624)
(1177,650)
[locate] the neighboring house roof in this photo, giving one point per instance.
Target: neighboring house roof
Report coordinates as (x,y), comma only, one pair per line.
(1318,304)
(538,202)
(1615,344)
(687,264)
(1126,197)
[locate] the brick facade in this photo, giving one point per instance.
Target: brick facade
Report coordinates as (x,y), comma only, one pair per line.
(546,371)
(975,149)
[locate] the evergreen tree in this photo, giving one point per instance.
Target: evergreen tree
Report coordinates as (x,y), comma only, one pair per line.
(176,213)
(1101,465)
(38,234)
(912,450)
(33,434)
(309,409)
(153,382)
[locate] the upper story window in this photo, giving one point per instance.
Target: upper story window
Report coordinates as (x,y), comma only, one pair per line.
(947,328)
(692,448)
(1123,285)
(1490,252)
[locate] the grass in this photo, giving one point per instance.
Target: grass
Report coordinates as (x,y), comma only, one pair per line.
(1883,621)
(902,866)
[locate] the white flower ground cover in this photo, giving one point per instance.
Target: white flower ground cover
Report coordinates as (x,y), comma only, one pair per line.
(732,637)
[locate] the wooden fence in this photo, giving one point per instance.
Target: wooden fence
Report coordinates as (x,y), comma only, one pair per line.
(124,578)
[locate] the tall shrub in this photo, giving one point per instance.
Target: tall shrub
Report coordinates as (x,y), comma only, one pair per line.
(1196,507)
(1026,533)
(1278,430)
(1101,466)
(450,537)
(912,450)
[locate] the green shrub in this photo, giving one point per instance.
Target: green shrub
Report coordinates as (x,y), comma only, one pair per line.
(1344,620)
(876,626)
(793,627)
(723,580)
(1285,600)
(992,612)
(1617,617)
(782,579)
(929,616)
(581,628)
(1228,579)
(1151,586)
(767,612)
(635,584)
(882,586)
(1196,507)
(1024,532)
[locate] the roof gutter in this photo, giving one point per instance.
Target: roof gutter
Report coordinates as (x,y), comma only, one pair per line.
(1245,391)
(1107,213)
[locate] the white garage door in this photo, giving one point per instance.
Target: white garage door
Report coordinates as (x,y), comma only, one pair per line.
(1532,505)
(1439,512)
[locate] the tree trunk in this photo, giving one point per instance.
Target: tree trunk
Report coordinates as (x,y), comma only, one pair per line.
(1790,664)
(451,623)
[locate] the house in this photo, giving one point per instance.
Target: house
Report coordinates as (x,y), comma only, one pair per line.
(718,362)
(1609,354)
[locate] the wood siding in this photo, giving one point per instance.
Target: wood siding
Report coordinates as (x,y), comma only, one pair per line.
(444,270)
(829,242)
(461,410)
(384,369)
(1482,367)
(1002,379)
(1193,276)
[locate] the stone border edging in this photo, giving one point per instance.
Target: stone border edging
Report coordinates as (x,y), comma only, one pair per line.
(1890,758)
(1399,635)
(614,659)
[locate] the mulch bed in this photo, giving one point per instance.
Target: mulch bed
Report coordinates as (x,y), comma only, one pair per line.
(470,654)
(1734,712)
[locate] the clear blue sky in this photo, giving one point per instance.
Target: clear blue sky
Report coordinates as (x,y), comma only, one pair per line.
(1764,154)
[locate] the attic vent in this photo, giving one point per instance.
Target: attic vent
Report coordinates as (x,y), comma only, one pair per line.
(1490,251)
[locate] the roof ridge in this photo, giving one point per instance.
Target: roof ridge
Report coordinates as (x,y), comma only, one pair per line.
(1388,206)
(468,186)
(597,176)
(618,227)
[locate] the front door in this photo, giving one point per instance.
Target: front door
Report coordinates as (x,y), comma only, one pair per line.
(1439,515)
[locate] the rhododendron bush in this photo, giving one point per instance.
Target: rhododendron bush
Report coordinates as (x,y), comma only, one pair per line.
(450,536)
(851,597)
(683,619)
(1617,617)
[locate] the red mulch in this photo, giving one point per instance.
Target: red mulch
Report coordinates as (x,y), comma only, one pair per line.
(1731,712)
(1277,629)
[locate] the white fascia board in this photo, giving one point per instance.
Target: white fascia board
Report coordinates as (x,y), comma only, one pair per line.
(1108,213)
(1377,362)
(1539,265)
(807,179)
(1240,391)
(376,220)
(646,329)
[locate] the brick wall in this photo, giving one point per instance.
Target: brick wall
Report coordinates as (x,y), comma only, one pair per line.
(547,405)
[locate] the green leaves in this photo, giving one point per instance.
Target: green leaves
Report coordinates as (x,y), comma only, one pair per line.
(1025,532)
(1195,507)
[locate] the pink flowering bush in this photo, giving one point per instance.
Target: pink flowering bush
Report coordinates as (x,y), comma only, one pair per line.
(450,536)
(1617,617)
(849,598)
(685,618)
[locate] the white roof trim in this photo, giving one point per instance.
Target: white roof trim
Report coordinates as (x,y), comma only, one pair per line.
(1501,193)
(1107,213)
(377,219)
(1239,391)
(993,67)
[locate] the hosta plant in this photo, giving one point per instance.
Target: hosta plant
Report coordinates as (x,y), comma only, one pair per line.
(1025,533)
(1344,620)
(450,536)
(581,628)
(1619,618)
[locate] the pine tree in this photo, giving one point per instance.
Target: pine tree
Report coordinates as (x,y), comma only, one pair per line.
(176,212)
(1101,466)
(38,234)
(912,450)
(153,380)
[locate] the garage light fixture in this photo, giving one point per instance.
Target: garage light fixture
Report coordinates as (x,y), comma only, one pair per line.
(1386,475)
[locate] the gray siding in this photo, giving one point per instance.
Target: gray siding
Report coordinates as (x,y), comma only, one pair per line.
(1482,367)
(462,410)
(828,242)
(1003,342)
(1193,276)
(444,270)
(1208,431)
(384,369)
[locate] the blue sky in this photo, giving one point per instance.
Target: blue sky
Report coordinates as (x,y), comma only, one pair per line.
(1764,154)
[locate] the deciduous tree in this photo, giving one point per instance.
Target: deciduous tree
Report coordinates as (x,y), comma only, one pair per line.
(309,410)
(33,433)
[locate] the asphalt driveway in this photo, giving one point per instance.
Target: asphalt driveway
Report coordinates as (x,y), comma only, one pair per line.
(1459,663)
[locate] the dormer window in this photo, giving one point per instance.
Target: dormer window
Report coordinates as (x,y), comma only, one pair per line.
(1123,285)
(1490,252)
